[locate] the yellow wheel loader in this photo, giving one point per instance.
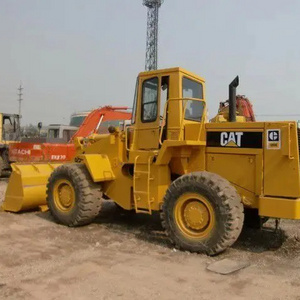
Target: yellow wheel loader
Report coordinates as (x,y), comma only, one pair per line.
(200,176)
(9,133)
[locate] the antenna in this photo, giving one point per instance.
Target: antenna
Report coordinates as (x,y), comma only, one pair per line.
(20,94)
(152,33)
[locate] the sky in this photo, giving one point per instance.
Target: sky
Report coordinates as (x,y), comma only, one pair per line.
(73,55)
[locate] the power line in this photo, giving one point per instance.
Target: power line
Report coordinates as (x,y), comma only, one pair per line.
(20,94)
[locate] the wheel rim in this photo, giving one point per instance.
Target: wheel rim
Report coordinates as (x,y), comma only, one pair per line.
(194,215)
(64,195)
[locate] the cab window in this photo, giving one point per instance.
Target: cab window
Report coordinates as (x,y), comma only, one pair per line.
(67,134)
(149,100)
(53,133)
(103,128)
(7,121)
(192,89)
(135,101)
(164,94)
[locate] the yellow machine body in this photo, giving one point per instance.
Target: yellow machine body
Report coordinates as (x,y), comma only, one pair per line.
(169,136)
(264,168)
(261,159)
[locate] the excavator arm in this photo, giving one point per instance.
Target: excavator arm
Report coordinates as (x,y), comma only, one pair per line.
(93,121)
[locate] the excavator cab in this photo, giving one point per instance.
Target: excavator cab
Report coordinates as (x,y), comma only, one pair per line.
(244,111)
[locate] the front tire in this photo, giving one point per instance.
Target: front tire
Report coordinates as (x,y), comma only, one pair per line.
(2,166)
(202,212)
(73,198)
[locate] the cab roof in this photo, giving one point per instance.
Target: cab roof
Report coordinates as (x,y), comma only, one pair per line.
(9,115)
(171,70)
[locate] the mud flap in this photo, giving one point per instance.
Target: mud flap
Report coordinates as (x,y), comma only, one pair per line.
(99,167)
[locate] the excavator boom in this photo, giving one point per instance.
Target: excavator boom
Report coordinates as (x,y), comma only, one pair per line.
(100,115)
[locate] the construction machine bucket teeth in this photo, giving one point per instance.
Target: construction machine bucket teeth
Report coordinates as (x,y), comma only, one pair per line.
(26,188)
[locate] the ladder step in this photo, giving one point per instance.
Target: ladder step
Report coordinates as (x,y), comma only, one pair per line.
(143,211)
(142,197)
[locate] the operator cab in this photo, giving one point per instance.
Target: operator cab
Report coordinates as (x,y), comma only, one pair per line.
(169,104)
(10,127)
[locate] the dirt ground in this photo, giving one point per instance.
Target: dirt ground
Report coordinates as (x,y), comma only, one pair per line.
(121,257)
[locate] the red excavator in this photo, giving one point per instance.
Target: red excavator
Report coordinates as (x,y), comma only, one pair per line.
(243,108)
(56,149)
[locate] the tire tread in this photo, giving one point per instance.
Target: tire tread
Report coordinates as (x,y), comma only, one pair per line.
(88,199)
(229,202)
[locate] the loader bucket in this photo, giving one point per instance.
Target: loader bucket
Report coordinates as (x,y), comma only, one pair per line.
(26,188)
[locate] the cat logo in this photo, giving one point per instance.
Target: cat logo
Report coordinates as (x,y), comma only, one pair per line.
(273,139)
(231,139)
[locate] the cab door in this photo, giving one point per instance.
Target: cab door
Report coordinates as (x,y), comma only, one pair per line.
(148,116)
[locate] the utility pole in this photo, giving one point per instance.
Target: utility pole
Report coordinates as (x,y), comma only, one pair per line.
(20,94)
(152,33)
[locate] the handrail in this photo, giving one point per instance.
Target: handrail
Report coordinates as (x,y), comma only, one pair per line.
(202,121)
(183,116)
(289,142)
(126,136)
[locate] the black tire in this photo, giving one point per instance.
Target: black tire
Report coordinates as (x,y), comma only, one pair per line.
(87,195)
(226,206)
(2,166)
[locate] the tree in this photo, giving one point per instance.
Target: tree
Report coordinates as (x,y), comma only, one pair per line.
(29,131)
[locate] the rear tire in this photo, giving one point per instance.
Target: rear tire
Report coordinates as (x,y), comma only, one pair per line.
(202,212)
(73,198)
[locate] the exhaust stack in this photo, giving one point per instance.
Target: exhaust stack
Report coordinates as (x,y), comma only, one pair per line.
(232,99)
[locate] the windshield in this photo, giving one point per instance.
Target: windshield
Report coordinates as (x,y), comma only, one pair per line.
(77,120)
(192,89)
(150,99)
(103,128)
(67,134)
(10,128)
(135,102)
